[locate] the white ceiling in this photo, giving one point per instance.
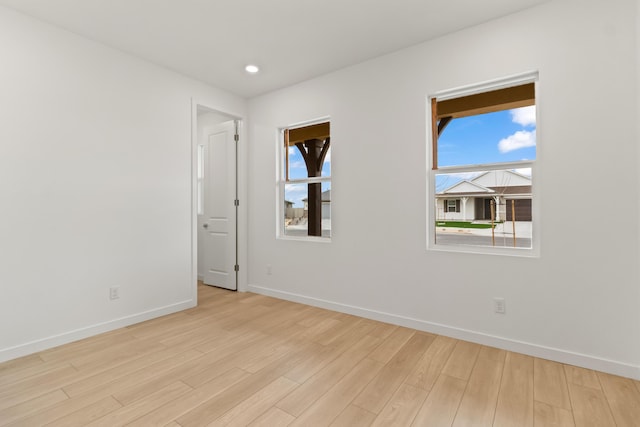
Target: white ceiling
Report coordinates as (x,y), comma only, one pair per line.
(291,40)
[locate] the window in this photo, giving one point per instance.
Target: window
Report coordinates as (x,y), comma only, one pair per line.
(452,205)
(305,181)
(483,151)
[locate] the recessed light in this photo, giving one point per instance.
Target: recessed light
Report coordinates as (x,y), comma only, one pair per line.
(251,69)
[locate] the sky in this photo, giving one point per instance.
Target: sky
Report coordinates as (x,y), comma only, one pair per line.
(503,136)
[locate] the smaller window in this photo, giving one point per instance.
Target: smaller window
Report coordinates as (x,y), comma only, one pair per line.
(305,181)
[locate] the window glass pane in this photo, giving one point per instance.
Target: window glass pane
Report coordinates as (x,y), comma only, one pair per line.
(326,166)
(297,167)
(468,203)
(503,136)
(296,209)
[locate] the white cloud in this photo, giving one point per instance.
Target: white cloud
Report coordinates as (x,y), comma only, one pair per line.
(525,116)
(520,139)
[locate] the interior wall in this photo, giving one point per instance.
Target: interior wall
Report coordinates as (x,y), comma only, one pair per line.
(579,301)
(95,185)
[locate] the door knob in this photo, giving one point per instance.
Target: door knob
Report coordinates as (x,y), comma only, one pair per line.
(205,225)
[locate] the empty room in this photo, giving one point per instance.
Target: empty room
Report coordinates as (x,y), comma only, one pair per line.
(338,213)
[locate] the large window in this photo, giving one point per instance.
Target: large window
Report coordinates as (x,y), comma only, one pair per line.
(305,181)
(483,151)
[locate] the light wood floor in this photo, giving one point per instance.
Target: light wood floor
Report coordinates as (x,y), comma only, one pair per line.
(247,359)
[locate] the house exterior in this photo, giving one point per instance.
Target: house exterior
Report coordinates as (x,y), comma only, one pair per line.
(326,205)
(470,200)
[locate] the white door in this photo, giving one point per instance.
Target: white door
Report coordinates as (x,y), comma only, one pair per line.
(217,222)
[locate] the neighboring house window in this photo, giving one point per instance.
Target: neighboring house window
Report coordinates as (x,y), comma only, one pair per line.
(453,205)
(305,181)
(483,150)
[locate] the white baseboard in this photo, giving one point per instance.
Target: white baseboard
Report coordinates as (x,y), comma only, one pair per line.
(78,334)
(543,352)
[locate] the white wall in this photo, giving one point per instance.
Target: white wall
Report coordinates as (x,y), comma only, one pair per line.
(95,186)
(579,302)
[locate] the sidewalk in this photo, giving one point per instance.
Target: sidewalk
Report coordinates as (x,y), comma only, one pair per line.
(522,228)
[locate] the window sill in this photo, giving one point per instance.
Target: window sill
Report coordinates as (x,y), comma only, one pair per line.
(485,250)
(305,239)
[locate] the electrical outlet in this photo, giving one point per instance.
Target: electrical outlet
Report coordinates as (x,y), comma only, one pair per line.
(269,269)
(114,293)
(499,306)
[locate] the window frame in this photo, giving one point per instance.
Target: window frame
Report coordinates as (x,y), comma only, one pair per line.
(283,179)
(433,169)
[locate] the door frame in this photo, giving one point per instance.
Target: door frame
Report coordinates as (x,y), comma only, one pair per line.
(241,194)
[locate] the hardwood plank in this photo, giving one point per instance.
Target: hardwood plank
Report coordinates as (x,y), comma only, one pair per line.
(492,353)
(332,334)
(65,408)
(115,356)
(140,383)
(274,417)
(320,357)
(37,386)
(479,400)
(194,372)
(545,415)
(153,363)
(257,404)
(581,376)
(314,333)
(305,395)
(23,372)
(327,408)
(429,367)
(190,400)
(550,384)
(22,410)
(232,344)
(383,330)
(240,391)
(354,416)
(441,405)
(265,355)
(143,406)
(24,362)
(87,414)
(402,407)
(623,398)
(238,355)
(462,359)
(87,346)
(377,393)
(199,333)
(515,400)
(590,407)
(391,345)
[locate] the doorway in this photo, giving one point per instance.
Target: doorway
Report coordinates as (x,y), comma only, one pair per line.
(217,198)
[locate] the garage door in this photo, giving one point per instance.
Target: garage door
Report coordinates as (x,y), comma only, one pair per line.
(523,210)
